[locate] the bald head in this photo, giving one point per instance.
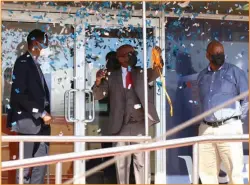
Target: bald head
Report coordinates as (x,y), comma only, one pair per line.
(124,50)
(215,54)
(215,46)
(123,54)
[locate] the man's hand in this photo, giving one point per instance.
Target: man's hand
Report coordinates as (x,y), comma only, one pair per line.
(100,75)
(47,119)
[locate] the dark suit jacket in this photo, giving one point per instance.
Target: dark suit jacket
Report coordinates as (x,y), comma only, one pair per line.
(28,97)
(113,87)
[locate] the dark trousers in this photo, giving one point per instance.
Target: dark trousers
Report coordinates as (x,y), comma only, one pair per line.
(36,174)
(109,172)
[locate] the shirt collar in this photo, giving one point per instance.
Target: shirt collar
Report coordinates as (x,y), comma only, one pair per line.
(124,70)
(209,68)
(36,62)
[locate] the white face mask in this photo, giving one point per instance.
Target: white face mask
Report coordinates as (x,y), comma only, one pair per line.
(46,52)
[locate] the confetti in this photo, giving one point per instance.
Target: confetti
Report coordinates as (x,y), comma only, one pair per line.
(240,55)
(99,130)
(35,110)
(129,86)
(180,87)
(8,106)
(19,112)
(106,33)
(109,73)
(191,101)
(184,5)
(104,93)
(196,24)
(13,77)
(13,124)
(129,68)
(187,29)
(137,106)
(17,91)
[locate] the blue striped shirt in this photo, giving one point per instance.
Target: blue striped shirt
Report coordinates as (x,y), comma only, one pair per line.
(217,87)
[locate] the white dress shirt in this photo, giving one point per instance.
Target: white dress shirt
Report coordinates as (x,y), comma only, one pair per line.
(124,74)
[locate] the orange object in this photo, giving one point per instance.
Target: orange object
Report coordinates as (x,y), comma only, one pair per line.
(156,58)
(156,63)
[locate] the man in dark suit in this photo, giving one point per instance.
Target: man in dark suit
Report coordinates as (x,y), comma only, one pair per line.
(29,113)
(125,88)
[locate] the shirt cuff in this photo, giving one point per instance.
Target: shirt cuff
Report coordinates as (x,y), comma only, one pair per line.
(43,114)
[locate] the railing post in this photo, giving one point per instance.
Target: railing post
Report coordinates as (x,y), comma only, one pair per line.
(195,163)
(21,156)
(59,173)
(48,176)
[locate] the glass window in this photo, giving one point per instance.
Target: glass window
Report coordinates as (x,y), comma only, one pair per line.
(57,69)
(186,43)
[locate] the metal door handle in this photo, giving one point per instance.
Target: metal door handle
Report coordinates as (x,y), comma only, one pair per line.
(67,98)
(67,105)
(90,93)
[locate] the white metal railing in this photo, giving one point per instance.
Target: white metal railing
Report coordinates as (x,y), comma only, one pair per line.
(158,140)
(92,139)
(99,153)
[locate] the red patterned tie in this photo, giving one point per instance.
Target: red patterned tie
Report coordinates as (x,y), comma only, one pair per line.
(129,82)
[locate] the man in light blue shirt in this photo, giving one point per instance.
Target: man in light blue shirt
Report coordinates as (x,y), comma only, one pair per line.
(218,83)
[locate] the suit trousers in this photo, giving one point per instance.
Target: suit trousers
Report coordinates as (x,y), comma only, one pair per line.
(229,153)
(123,164)
(34,175)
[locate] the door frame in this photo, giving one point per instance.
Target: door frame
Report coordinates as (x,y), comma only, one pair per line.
(64,18)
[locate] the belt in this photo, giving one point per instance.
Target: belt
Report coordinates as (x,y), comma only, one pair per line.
(219,123)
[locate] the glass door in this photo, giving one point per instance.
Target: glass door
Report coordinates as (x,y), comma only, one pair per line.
(57,69)
(78,48)
(100,40)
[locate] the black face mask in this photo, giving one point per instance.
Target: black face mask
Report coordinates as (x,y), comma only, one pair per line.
(113,64)
(132,61)
(218,59)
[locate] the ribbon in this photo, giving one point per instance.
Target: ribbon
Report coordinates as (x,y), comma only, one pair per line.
(156,63)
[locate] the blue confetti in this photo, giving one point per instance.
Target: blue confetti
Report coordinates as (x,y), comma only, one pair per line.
(65,9)
(148,23)
(10,11)
(13,124)
(8,106)
(17,91)
(159,84)
(242,37)
(38,17)
(13,77)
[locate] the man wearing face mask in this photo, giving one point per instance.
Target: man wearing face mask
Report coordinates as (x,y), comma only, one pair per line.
(29,112)
(218,83)
(125,87)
